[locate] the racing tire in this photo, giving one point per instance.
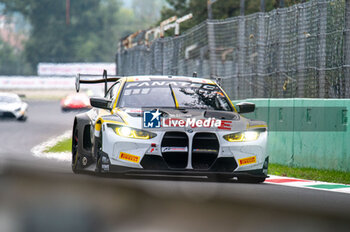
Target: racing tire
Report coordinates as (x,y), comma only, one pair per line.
(22,118)
(98,145)
(98,169)
(76,165)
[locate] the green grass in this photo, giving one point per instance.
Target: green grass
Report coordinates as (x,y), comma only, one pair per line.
(310,173)
(274,169)
(63,146)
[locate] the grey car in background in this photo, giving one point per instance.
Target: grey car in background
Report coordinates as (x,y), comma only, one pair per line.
(12,107)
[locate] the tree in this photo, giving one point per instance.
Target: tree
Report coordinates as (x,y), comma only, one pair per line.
(141,15)
(222,9)
(90,36)
(146,12)
(12,63)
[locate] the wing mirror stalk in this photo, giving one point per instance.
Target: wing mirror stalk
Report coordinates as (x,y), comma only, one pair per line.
(102,103)
(245,107)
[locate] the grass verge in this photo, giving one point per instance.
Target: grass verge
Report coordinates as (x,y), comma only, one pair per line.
(310,173)
(274,169)
(62,146)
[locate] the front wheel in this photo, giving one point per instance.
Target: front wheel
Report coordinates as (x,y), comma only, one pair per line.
(75,153)
(97,156)
(23,118)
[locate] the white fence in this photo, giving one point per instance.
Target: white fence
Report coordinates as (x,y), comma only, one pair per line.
(71,69)
(35,82)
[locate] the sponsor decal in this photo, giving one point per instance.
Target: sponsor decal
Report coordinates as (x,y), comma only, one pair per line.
(152,150)
(144,84)
(191,122)
(225,125)
(205,150)
(54,69)
(174,149)
(105,167)
(129,157)
(154,119)
(246,161)
(151,119)
(133,110)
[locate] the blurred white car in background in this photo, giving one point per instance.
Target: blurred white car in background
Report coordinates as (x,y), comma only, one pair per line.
(12,107)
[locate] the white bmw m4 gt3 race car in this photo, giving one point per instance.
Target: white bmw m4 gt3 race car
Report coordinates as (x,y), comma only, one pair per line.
(12,107)
(168,125)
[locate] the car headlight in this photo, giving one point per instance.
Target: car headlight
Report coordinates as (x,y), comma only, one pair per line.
(18,109)
(246,136)
(129,132)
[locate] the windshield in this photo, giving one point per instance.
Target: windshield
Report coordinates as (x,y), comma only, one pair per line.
(8,99)
(159,94)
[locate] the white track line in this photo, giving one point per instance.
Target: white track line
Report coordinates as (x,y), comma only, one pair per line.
(39,150)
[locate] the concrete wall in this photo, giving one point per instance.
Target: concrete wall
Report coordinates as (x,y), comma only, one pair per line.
(306,132)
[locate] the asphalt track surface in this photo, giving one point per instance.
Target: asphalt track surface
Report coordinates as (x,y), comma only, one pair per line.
(45,120)
(197,204)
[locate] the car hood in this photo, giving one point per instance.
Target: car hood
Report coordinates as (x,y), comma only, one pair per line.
(229,121)
(10,106)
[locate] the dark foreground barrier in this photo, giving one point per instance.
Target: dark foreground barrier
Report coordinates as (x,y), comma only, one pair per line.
(34,201)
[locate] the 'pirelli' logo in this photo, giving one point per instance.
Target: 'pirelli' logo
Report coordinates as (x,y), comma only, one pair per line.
(248,160)
(129,157)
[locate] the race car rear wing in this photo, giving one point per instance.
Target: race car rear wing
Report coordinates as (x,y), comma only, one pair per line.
(90,79)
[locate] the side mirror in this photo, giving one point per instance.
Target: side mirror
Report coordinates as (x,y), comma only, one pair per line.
(99,102)
(246,107)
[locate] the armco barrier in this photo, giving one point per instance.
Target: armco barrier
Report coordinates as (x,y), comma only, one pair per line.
(306,132)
